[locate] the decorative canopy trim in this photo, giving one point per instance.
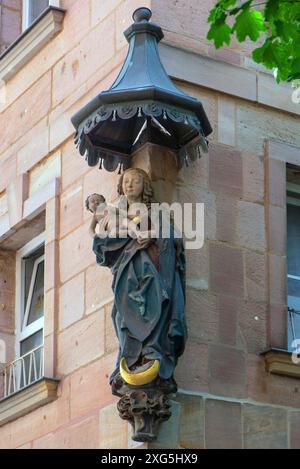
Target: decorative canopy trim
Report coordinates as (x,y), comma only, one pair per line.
(110,159)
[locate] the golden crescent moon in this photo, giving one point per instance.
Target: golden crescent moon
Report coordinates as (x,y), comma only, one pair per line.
(139,379)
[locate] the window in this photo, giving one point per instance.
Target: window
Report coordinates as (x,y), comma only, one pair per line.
(293,253)
(29,365)
(32,9)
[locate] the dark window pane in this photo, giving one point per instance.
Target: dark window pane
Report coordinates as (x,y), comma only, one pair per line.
(28,345)
(294,293)
(294,317)
(37,302)
(36,7)
(293,241)
(28,270)
(293,329)
(32,342)
(29,263)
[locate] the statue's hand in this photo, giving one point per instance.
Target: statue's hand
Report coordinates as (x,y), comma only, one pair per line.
(143,241)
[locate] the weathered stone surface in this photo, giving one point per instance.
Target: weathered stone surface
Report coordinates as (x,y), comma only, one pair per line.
(51,266)
(192,370)
(81,435)
(196,173)
(276,181)
(202,316)
(43,420)
(92,382)
(227,371)
(255,276)
(71,304)
(190,194)
(294,430)
(168,434)
(7,293)
(24,113)
(183,17)
(34,146)
(278,331)
(197,268)
(73,164)
(253,128)
(7,346)
(113,430)
(10,22)
(226,218)
(225,170)
(71,209)
(265,427)
(278,284)
(250,231)
(253,325)
(209,101)
(277,230)
(226,270)
(75,253)
(270,389)
(98,290)
(226,122)
(79,338)
(80,63)
(107,7)
(253,177)
(228,319)
(8,173)
(223,425)
(191,428)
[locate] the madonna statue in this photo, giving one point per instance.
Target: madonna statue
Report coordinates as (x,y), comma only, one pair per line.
(148,312)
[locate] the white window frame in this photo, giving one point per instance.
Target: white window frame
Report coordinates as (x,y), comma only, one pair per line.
(38,325)
(25,12)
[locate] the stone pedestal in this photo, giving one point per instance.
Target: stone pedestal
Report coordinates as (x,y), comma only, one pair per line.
(145,409)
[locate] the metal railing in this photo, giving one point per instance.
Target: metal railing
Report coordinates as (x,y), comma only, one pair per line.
(293,312)
(23,372)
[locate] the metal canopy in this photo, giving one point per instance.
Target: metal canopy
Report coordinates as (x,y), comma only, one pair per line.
(143,105)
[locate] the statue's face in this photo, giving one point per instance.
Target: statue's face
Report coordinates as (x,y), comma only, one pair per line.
(133,185)
(95,201)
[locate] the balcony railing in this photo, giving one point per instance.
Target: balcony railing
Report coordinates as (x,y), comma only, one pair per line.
(293,314)
(23,372)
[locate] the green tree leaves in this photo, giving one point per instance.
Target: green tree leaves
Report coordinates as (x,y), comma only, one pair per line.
(220,32)
(277,22)
(249,23)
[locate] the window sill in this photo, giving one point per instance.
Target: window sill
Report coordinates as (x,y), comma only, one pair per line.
(20,52)
(38,394)
(279,362)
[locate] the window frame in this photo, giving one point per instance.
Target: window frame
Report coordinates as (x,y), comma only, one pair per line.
(28,331)
(25,12)
(292,188)
(278,156)
(38,325)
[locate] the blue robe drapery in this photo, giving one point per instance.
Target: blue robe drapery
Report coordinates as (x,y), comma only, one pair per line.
(148,312)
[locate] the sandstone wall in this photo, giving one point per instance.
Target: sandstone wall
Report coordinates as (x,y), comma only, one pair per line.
(226,397)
